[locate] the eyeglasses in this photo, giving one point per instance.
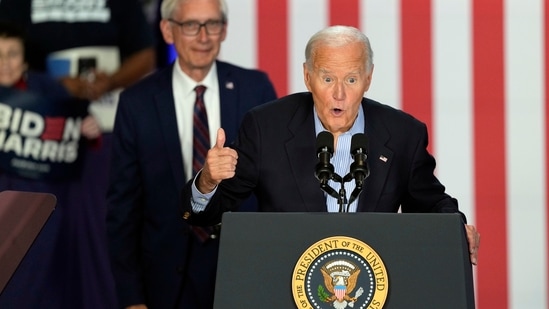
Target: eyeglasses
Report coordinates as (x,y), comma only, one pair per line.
(193,27)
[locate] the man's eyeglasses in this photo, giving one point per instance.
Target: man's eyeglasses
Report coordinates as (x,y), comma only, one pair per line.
(193,27)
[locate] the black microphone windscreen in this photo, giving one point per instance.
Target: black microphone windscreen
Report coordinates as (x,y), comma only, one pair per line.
(325,139)
(359,140)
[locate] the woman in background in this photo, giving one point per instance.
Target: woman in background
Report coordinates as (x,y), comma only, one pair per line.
(40,281)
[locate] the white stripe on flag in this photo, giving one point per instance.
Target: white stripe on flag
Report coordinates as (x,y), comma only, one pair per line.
(381,23)
(240,46)
(306,18)
(524,30)
(452,110)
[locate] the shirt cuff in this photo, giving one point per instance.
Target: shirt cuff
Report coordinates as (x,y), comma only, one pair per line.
(200,200)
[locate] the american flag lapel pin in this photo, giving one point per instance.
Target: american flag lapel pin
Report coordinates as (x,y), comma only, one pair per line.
(229,85)
(383,158)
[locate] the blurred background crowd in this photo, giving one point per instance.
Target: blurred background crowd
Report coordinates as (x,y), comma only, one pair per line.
(70,71)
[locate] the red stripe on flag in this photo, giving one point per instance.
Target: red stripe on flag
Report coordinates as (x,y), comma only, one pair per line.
(489,152)
(416,60)
(344,12)
(272,40)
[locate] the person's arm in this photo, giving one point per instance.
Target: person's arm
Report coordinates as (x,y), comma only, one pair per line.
(201,199)
(423,193)
(97,84)
(132,69)
(125,207)
(425,189)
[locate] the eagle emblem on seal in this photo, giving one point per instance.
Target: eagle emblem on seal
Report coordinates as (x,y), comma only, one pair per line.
(340,279)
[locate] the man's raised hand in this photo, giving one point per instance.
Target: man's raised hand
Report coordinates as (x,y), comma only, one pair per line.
(220,164)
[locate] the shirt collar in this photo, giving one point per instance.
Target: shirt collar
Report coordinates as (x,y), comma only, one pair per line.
(188,84)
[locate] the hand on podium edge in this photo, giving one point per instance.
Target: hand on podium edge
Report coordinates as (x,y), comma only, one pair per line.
(473,238)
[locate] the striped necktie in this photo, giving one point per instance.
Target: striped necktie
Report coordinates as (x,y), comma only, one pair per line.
(201,133)
(201,145)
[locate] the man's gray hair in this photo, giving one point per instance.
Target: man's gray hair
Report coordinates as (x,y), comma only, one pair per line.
(337,36)
(168,7)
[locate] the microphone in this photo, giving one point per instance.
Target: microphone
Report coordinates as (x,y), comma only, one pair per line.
(359,168)
(324,170)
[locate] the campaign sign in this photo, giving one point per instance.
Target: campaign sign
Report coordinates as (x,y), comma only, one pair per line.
(40,138)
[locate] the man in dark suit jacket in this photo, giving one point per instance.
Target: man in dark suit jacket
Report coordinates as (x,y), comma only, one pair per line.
(157,261)
(275,155)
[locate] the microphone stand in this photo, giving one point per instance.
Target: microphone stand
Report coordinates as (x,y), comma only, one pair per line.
(341,196)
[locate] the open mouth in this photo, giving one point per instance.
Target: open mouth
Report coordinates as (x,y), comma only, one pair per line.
(337,111)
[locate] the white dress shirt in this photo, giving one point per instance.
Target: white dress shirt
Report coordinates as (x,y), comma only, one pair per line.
(184,98)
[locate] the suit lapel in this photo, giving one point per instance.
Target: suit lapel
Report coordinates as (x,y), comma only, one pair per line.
(302,155)
(228,96)
(164,102)
(379,161)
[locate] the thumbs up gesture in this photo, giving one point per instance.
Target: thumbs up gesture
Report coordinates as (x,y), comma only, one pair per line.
(220,164)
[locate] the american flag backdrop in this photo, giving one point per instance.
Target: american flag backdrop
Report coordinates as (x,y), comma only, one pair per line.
(475,72)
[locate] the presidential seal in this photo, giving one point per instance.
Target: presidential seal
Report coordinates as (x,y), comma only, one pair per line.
(340,272)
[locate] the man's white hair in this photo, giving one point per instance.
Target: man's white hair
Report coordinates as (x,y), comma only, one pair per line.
(337,36)
(168,7)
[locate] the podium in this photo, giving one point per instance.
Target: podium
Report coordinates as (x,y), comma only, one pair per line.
(285,260)
(22,216)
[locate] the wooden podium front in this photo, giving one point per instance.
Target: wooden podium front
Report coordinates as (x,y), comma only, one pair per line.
(22,216)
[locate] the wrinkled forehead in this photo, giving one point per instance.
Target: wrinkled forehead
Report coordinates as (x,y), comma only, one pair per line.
(330,59)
